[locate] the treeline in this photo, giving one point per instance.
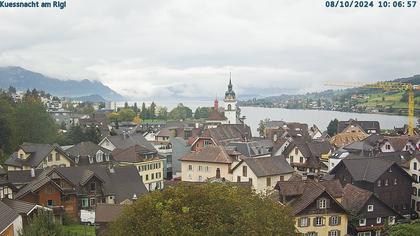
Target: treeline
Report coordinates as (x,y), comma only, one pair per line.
(154,112)
(28,121)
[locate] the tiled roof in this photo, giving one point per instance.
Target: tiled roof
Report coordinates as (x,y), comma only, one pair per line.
(38,152)
(8,215)
(215,154)
(129,140)
(268,166)
(215,115)
(133,154)
(364,168)
(354,198)
(226,133)
(342,139)
(20,207)
(365,125)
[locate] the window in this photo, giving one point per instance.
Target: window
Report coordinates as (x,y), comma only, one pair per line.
(301,159)
(190,167)
(50,157)
(390,170)
(322,203)
(50,203)
(391,220)
(281,178)
(99,157)
(311,234)
(387,147)
(238,179)
(207,169)
(395,181)
(57,156)
(92,186)
(303,222)
(90,159)
(244,171)
(364,234)
(107,156)
(334,233)
(386,182)
(92,201)
(379,183)
(415,165)
(268,181)
(415,177)
(362,222)
(296,151)
(291,159)
(334,220)
(200,178)
(153,175)
(147,177)
(21,156)
(250,181)
(378,220)
(206,143)
(370,208)
(377,233)
(200,168)
(85,202)
(318,221)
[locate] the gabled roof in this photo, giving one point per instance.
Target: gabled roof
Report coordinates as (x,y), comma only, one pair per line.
(38,152)
(8,215)
(21,207)
(355,198)
(216,115)
(304,193)
(215,154)
(365,125)
(134,154)
(268,166)
(250,149)
(342,139)
(365,168)
(226,133)
(128,140)
(35,185)
(85,149)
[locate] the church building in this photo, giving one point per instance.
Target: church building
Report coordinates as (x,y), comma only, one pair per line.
(232,111)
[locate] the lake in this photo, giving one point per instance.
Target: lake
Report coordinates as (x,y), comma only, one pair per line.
(320,118)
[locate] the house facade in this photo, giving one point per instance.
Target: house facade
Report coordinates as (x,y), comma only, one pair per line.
(38,156)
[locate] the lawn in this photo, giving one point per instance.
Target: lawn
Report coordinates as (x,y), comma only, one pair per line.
(78,230)
(389,100)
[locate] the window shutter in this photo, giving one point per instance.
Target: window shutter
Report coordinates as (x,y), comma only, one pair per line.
(309,221)
(317,203)
(323,221)
(300,222)
(338,231)
(328,203)
(314,221)
(329,221)
(329,233)
(339,223)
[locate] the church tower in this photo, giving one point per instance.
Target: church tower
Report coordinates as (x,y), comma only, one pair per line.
(231,110)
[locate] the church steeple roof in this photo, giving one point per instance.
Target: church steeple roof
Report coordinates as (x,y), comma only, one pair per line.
(230,94)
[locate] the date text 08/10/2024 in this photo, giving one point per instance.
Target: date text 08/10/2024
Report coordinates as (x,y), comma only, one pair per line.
(370,4)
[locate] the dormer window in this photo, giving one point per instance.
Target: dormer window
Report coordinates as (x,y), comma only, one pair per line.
(99,156)
(107,156)
(92,186)
(76,159)
(90,159)
(370,208)
(21,156)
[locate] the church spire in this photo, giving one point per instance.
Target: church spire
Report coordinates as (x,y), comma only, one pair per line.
(230,81)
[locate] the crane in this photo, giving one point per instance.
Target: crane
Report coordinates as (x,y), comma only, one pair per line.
(389,86)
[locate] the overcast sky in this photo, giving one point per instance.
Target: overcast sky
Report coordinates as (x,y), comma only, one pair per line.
(157,49)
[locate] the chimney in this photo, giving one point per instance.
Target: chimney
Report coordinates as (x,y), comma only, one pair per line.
(32,172)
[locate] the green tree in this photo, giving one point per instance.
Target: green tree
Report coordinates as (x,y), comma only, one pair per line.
(33,123)
(412,229)
(152,111)
(162,113)
(12,89)
(262,126)
(126,114)
(332,127)
(144,111)
(202,112)
(42,224)
(135,108)
(126,105)
(180,112)
(204,209)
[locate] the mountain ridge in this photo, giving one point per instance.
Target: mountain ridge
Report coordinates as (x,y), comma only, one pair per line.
(23,79)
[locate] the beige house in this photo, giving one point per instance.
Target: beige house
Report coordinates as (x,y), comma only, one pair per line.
(262,172)
(147,162)
(209,162)
(37,156)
